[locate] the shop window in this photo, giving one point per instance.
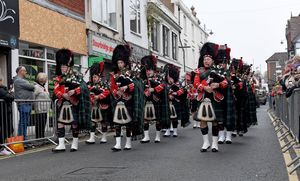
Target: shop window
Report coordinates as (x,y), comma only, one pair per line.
(31,50)
(104,12)
(33,67)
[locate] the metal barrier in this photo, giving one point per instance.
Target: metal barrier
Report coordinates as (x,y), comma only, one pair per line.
(286,114)
(33,119)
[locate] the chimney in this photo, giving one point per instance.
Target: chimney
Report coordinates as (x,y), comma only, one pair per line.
(194,13)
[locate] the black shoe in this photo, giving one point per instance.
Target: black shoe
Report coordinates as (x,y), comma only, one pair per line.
(58,151)
(166,135)
(175,136)
(228,142)
(214,150)
(89,143)
(103,142)
(73,150)
(194,127)
(204,150)
(220,142)
(126,149)
(148,141)
(241,134)
(156,141)
(233,135)
(115,149)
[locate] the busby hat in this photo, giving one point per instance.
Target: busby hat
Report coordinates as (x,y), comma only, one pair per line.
(97,69)
(237,64)
(208,49)
(121,52)
(149,62)
(223,55)
(246,68)
(172,71)
(63,57)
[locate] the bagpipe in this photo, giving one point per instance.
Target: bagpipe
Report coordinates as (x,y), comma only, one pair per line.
(216,75)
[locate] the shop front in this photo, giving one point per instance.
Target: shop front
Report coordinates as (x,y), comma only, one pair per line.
(9,36)
(37,58)
(101,49)
(43,32)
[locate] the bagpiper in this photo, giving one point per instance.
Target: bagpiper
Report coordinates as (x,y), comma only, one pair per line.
(192,97)
(155,97)
(122,88)
(211,86)
(73,100)
(236,73)
(227,126)
(175,95)
(100,101)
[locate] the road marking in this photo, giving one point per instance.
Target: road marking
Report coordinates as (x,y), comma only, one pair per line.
(287,156)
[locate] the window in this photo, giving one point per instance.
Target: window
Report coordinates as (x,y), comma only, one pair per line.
(193,52)
(33,67)
(193,33)
(104,12)
(184,23)
(174,46)
(135,16)
(154,35)
(165,41)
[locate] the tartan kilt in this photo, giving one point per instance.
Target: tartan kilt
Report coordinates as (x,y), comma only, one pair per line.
(157,107)
(219,108)
(75,111)
(194,105)
(252,108)
(178,108)
(128,105)
(241,121)
(107,115)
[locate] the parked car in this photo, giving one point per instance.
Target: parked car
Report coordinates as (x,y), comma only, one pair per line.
(261,96)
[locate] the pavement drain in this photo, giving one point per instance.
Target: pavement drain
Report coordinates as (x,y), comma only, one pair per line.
(97,170)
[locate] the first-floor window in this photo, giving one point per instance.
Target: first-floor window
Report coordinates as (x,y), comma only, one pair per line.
(165,41)
(174,46)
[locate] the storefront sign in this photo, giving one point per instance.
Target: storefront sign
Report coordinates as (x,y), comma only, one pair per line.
(99,46)
(36,53)
(93,60)
(138,52)
(9,23)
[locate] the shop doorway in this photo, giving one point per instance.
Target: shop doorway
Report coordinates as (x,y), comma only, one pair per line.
(4,69)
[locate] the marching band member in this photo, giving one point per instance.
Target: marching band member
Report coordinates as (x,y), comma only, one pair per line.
(249,84)
(122,88)
(101,102)
(236,70)
(227,126)
(192,97)
(154,95)
(73,99)
(211,86)
(175,93)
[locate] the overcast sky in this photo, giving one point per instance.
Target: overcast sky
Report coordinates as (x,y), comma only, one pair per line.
(252,29)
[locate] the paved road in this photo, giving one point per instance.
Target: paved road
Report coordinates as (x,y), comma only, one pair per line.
(255,156)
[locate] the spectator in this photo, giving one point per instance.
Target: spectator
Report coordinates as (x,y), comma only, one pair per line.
(41,107)
(6,125)
(24,91)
